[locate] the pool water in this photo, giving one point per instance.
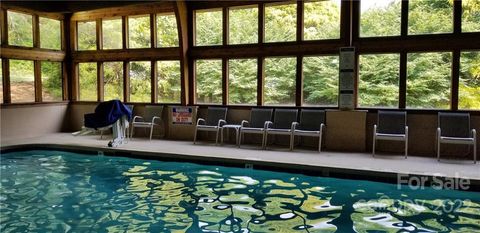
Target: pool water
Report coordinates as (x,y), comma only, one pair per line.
(53,191)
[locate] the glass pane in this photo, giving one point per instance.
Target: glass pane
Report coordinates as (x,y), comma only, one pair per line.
(87,35)
(428,80)
(242,81)
(87,76)
(22,84)
(380,18)
(20,29)
(280,23)
(379,77)
(430,16)
(1,81)
(50,36)
(52,89)
(169,81)
(208,27)
(139,32)
(208,80)
(243,25)
(280,75)
(321,20)
(469,86)
(167,31)
(320,80)
(112,33)
(470,16)
(140,82)
(113,81)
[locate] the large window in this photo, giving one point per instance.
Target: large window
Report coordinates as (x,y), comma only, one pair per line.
(208,27)
(52,89)
(112,33)
(167,31)
(86,35)
(320,81)
(139,31)
(140,81)
(87,77)
(243,25)
(280,76)
(113,80)
(469,85)
(22,81)
(428,80)
(169,81)
(321,20)
(470,16)
(20,29)
(380,17)
(379,80)
(280,22)
(208,81)
(242,81)
(430,16)
(50,35)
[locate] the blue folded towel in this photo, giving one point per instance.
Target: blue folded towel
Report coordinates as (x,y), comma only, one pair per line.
(107,113)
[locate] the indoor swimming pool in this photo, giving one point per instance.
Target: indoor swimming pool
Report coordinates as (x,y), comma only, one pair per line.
(56,191)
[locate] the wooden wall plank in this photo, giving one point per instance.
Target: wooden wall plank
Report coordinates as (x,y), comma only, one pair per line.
(127,55)
(37,73)
(181,14)
(14,52)
(137,9)
(6,81)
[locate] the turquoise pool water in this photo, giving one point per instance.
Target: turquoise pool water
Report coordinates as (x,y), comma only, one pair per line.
(53,191)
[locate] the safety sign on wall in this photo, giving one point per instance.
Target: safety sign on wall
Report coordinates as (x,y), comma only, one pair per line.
(182,115)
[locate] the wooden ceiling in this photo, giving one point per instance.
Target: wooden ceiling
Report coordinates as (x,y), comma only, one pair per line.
(68,6)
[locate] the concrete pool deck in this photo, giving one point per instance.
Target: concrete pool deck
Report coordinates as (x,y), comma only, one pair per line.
(326,161)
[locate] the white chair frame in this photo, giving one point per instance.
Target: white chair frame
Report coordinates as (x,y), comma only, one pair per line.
(200,126)
(459,141)
(309,133)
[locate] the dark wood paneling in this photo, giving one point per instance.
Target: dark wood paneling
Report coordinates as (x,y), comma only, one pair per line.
(137,9)
(6,81)
(402,94)
(455,80)
(299,82)
(37,73)
(14,52)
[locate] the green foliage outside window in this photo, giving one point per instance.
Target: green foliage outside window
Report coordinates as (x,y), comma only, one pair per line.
(112,33)
(51,73)
(469,84)
(280,76)
(22,85)
(20,29)
(380,18)
(87,35)
(140,81)
(280,22)
(113,80)
(243,25)
(470,15)
(87,78)
(321,20)
(428,80)
(430,16)
(379,77)
(169,81)
(208,81)
(208,27)
(167,31)
(320,80)
(139,31)
(50,36)
(242,81)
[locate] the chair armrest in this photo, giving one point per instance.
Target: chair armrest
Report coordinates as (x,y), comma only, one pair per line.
(200,120)
(135,118)
(267,124)
(375,129)
(322,127)
(439,132)
(294,125)
(474,133)
(221,123)
(406,131)
(244,123)
(154,118)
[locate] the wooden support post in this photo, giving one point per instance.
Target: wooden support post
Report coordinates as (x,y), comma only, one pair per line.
(37,73)
(454,93)
(402,95)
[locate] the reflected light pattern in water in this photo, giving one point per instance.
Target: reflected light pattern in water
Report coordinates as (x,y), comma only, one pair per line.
(52,191)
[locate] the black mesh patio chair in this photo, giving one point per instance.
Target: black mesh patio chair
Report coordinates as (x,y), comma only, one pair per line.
(454,128)
(215,120)
(282,124)
(152,118)
(259,117)
(312,124)
(391,126)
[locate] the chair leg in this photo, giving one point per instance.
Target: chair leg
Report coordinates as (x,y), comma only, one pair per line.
(406,148)
(475,152)
(292,138)
(221,136)
(320,143)
(373,147)
(195,136)
(151,132)
(101,134)
(264,139)
(240,138)
(216,137)
(438,149)
(132,131)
